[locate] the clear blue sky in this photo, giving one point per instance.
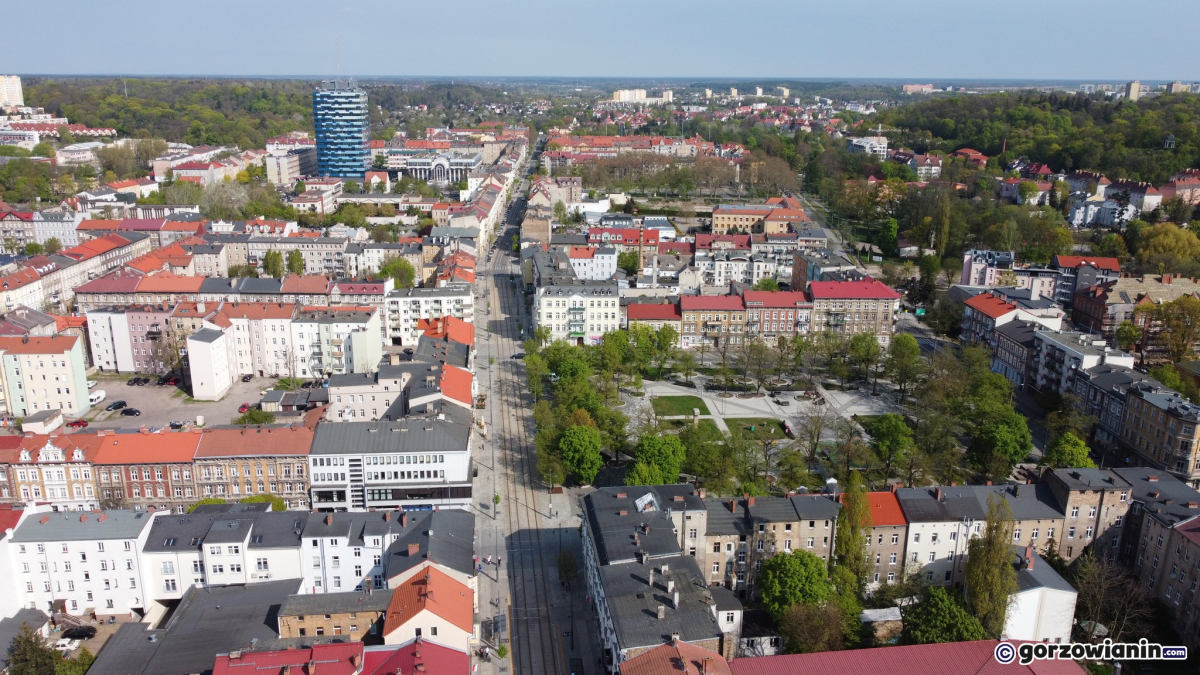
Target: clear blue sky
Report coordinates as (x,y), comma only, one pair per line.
(911,39)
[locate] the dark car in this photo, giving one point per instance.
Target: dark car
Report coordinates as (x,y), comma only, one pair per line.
(177,425)
(142,381)
(131,412)
(518,355)
(80,633)
(132,382)
(116,405)
(77,424)
(247,378)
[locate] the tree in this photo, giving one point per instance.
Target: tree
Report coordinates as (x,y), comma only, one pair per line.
(43,149)
(400,270)
(864,351)
(28,655)
(812,427)
(206,500)
(272,264)
(53,245)
(295,262)
(352,187)
(853,526)
(560,211)
(255,416)
(766,284)
(665,453)
(277,503)
(1069,452)
(224,200)
(568,567)
(1128,335)
(815,628)
(1167,243)
(76,666)
(904,361)
(33,248)
(580,448)
(1110,598)
(892,440)
(65,136)
(628,261)
(1181,327)
(786,579)
(939,617)
(644,474)
(990,577)
(999,445)
(664,342)
(685,361)
(889,237)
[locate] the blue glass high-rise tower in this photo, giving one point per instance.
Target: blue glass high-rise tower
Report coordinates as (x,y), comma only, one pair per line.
(343,129)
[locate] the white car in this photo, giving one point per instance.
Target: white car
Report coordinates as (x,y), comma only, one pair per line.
(92,384)
(67,644)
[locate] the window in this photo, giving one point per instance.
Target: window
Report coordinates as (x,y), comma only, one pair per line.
(809,543)
(916,537)
(169,585)
(716,569)
(218,569)
(891,577)
(1070,533)
(895,539)
(892,559)
(261,565)
(168,567)
(1074,511)
(932,556)
(1016,534)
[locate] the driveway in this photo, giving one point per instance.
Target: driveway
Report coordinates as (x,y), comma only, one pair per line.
(162,405)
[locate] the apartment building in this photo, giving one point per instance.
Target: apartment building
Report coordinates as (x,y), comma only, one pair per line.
(407,308)
(1095,505)
(771,315)
(143,470)
(1015,355)
(1101,392)
(787,524)
(234,463)
(1103,307)
(581,312)
(593,263)
(86,561)
(322,255)
(653,315)
(56,470)
(887,537)
(366,259)
(355,615)
(713,320)
(1160,430)
(1060,355)
(398,390)
(434,605)
(726,543)
(337,340)
(129,339)
(43,373)
(850,307)
(985,312)
(1079,273)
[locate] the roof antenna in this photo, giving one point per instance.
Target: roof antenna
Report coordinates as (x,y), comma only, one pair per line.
(337,47)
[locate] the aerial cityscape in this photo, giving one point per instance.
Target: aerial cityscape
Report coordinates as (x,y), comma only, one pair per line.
(765,375)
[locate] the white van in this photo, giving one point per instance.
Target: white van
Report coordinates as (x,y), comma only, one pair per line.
(96,396)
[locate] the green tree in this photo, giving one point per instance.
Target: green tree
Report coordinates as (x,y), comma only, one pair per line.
(65,136)
(991,578)
(1181,327)
(255,416)
(43,149)
(892,440)
(272,264)
(277,503)
(28,655)
(400,270)
(352,187)
(560,212)
(1128,335)
(644,474)
(808,629)
(1170,377)
(580,448)
(766,284)
(853,528)
(33,248)
(76,666)
(939,617)
(295,262)
(999,445)
(665,453)
(864,351)
(206,500)
(1069,452)
(786,579)
(628,261)
(53,245)
(889,237)
(904,361)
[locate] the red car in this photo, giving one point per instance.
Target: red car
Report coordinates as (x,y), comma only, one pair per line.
(78,424)
(244,407)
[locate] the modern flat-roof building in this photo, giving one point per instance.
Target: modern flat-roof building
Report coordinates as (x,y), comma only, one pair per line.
(342,128)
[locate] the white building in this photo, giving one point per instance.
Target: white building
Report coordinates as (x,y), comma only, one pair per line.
(873,145)
(405,307)
(337,340)
(1059,356)
(1043,610)
(49,225)
(11,93)
(581,312)
(43,373)
(593,264)
(79,153)
(208,364)
(91,561)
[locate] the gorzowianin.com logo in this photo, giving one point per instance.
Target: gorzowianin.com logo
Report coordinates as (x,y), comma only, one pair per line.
(1026,653)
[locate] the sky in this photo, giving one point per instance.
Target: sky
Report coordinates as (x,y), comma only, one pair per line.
(796,39)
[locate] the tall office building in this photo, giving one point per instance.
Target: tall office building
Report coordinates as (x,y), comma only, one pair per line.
(10,90)
(1133,90)
(343,129)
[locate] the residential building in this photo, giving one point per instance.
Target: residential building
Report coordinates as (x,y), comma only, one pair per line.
(886,538)
(1160,429)
(655,315)
(1101,309)
(143,470)
(581,312)
(338,340)
(286,170)
(850,307)
(407,308)
(399,389)
(998,268)
(232,463)
(1079,273)
(1101,391)
(876,146)
(355,465)
(80,563)
(782,525)
(1095,504)
(1043,609)
(56,468)
(985,312)
(130,339)
(342,129)
(1015,355)
(592,263)
(11,93)
(43,373)
(208,364)
(713,320)
(354,614)
(1060,355)
(726,543)
(433,606)
(677,657)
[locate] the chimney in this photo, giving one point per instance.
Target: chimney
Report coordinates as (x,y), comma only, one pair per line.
(703,493)
(622,512)
(621,495)
(662,612)
(674,637)
(895,486)
(83,518)
(750,501)
(44,520)
(387,516)
(413,549)
(670,586)
(356,661)
(1152,479)
(403,519)
(329,519)
(1156,494)
(733,506)
(665,569)
(675,599)
(704,665)
(1028,557)
(651,577)
(938,494)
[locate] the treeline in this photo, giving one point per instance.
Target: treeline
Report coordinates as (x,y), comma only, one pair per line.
(1123,139)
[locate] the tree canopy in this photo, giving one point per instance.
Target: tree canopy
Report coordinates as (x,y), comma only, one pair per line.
(789,578)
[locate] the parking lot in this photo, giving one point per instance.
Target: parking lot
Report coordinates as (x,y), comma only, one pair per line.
(162,405)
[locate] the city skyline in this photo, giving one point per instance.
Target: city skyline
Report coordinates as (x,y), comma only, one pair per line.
(926,39)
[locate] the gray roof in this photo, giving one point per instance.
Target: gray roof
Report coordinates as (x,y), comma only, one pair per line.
(449,290)
(816,507)
(1040,575)
(1020,332)
(772,510)
(445,537)
(620,529)
(1166,499)
(922,505)
(336,603)
(722,521)
(444,350)
(42,416)
(633,603)
(568,239)
(405,435)
(86,526)
(207,335)
(215,620)
(226,523)
(1090,479)
(10,627)
(332,316)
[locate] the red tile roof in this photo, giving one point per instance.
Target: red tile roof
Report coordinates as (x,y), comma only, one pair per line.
(313,283)
(142,448)
(885,508)
(991,305)
(1074,261)
(338,658)
(436,660)
(456,383)
(9,516)
(435,591)
(653,312)
(952,658)
(775,298)
(54,344)
(293,441)
(677,658)
(90,224)
(711,302)
(851,290)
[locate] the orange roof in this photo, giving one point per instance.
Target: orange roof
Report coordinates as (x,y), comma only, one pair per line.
(54,344)
(313,283)
(34,443)
(290,441)
(436,592)
(258,310)
(1076,260)
(98,225)
(459,331)
(184,226)
(308,234)
(65,322)
(147,263)
(19,278)
(885,508)
(456,383)
(990,305)
(167,282)
(143,448)
(677,658)
(581,252)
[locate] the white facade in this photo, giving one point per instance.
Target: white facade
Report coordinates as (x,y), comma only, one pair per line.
(1040,615)
(405,307)
(108,336)
(60,226)
(1061,355)
(599,265)
(582,312)
(208,364)
(337,342)
(11,93)
(938,550)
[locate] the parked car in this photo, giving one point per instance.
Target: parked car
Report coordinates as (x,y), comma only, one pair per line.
(131,412)
(247,378)
(116,405)
(177,425)
(243,407)
(142,381)
(175,381)
(92,384)
(132,382)
(80,633)
(518,355)
(67,644)
(78,424)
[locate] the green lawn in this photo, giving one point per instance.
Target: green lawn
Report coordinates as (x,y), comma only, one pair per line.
(765,428)
(678,425)
(678,405)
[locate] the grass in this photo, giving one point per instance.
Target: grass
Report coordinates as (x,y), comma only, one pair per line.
(665,406)
(678,425)
(765,428)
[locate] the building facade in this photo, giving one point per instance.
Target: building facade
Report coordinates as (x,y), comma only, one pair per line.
(340,120)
